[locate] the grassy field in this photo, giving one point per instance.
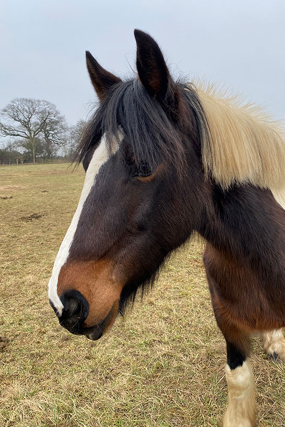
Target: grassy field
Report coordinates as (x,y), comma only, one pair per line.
(162,365)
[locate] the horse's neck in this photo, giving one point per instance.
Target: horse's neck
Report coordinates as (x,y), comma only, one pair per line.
(247,223)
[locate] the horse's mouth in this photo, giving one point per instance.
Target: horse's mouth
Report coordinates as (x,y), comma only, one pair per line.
(95,332)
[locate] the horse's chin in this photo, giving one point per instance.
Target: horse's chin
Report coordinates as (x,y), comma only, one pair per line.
(95,332)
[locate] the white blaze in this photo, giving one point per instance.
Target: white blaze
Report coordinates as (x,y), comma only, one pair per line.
(100,156)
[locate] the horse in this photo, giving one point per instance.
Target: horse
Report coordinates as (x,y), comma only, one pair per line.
(165,159)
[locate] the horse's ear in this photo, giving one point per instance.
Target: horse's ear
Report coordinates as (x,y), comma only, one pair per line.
(151,66)
(100,78)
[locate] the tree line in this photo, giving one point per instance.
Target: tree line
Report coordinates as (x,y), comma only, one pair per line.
(34,130)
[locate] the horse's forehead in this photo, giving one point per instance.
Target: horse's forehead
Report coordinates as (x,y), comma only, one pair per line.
(99,157)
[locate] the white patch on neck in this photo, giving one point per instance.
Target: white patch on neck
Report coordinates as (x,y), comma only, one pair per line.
(100,156)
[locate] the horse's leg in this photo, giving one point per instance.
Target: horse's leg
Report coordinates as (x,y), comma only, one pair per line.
(239,375)
(241,389)
(274,344)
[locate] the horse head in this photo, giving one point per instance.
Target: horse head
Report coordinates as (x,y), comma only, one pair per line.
(142,196)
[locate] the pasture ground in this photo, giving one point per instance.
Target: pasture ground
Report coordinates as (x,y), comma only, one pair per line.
(162,365)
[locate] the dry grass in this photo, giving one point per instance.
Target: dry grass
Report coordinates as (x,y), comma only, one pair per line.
(160,366)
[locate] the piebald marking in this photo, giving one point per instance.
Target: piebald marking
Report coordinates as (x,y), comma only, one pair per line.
(100,156)
(247,145)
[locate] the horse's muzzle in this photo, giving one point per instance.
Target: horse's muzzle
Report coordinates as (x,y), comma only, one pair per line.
(75,312)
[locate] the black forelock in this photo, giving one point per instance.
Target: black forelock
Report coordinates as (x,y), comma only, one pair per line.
(146,123)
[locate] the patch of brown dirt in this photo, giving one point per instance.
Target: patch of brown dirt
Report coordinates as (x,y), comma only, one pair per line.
(3,343)
(31,217)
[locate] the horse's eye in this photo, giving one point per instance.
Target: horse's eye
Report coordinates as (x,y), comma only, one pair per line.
(143,170)
(140,170)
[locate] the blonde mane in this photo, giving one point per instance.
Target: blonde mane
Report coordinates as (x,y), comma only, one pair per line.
(245,145)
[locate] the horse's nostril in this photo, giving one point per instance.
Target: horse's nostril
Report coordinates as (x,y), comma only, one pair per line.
(75,311)
(74,306)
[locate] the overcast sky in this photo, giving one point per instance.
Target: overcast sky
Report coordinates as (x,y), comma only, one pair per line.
(237,43)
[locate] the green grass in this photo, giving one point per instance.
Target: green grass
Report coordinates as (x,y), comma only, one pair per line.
(160,366)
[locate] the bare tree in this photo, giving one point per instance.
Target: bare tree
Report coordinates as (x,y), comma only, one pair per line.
(31,121)
(75,135)
(55,134)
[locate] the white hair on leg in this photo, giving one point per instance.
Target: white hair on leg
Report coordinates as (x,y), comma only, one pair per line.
(241,397)
(274,344)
